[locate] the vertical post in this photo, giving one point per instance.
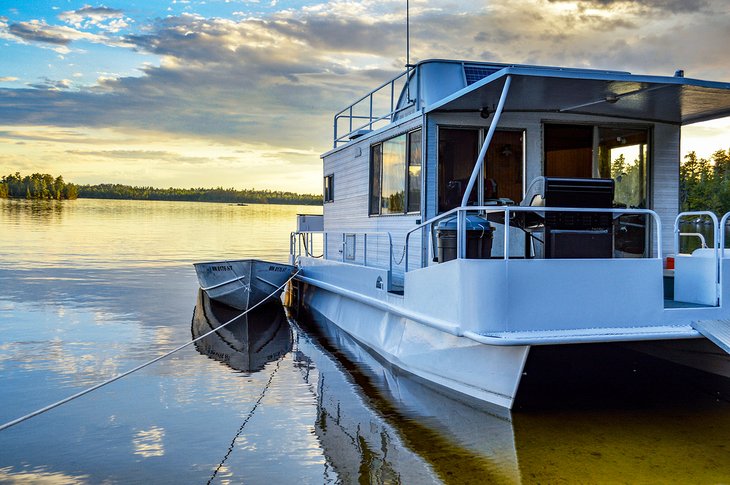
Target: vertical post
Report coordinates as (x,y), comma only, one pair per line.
(365,250)
(487,141)
(392,98)
(506,232)
(460,234)
(371,111)
(350,118)
(324,250)
(408,51)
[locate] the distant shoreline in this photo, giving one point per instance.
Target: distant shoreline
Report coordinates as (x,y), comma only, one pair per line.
(46,187)
(219,194)
(242,204)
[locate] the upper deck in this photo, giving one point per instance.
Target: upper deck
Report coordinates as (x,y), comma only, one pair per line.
(467,86)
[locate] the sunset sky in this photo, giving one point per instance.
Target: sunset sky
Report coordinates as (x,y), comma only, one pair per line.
(241,93)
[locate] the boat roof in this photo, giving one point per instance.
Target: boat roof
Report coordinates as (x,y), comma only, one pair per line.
(663,99)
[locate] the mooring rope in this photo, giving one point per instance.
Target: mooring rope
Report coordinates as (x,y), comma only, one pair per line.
(142,366)
(245,421)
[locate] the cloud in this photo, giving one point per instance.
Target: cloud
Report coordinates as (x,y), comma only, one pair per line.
(670,6)
(37,31)
(56,35)
(278,80)
(6,79)
(154,155)
(103,18)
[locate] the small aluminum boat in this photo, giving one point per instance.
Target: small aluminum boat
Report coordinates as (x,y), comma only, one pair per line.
(243,283)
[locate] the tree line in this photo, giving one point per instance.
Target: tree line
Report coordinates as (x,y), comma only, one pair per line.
(37,186)
(45,186)
(219,194)
(704,184)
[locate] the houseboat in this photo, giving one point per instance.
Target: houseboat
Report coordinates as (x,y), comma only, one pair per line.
(474,211)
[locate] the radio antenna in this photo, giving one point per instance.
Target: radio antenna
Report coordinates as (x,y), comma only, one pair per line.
(408,36)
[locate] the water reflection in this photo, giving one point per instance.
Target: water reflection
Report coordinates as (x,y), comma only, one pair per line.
(592,414)
(398,427)
(246,344)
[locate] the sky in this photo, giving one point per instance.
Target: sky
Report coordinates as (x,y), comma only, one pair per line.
(241,93)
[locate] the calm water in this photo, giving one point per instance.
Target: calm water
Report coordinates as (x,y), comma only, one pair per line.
(89,289)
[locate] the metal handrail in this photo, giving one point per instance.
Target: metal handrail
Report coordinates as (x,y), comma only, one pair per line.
(715,242)
(363,233)
(461,222)
(368,124)
(715,234)
(703,242)
(347,113)
(721,229)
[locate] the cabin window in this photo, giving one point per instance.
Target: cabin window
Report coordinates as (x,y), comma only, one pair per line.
(414,171)
(587,151)
(458,150)
(329,188)
(502,171)
(395,175)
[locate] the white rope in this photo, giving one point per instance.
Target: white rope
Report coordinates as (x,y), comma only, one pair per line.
(124,374)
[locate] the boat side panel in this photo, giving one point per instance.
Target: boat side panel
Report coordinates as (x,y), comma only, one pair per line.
(356,278)
(486,372)
(349,210)
(554,294)
(487,296)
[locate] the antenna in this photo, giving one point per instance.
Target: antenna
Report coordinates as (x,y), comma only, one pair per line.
(408,51)
(408,36)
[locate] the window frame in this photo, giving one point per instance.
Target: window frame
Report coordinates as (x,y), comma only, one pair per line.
(328,188)
(376,209)
(648,162)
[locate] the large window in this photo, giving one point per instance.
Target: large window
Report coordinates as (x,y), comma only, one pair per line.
(395,175)
(501,171)
(616,152)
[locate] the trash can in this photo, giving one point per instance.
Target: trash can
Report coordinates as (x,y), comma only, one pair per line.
(478,238)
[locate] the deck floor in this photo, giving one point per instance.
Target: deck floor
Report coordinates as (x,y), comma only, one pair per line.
(682,304)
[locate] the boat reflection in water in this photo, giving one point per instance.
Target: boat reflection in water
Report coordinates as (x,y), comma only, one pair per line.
(248,343)
(375,424)
(372,423)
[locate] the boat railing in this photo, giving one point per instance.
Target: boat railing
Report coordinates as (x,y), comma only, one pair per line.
(371,111)
(512,214)
(361,248)
(717,240)
(700,268)
(722,230)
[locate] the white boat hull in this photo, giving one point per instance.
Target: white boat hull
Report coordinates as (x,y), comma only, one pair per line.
(243,283)
(484,372)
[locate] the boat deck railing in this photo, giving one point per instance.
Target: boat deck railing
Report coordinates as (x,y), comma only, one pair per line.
(361,248)
(510,213)
(377,108)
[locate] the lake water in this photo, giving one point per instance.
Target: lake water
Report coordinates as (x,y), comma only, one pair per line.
(89,289)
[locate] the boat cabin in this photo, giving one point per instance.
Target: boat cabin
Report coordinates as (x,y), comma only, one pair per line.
(475,134)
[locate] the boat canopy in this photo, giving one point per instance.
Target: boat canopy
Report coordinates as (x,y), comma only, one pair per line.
(663,99)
